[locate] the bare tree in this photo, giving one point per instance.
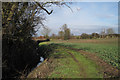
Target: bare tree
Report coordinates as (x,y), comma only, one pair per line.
(110,31)
(65,32)
(61,34)
(46,31)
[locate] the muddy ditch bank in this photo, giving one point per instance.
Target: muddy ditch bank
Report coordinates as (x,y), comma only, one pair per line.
(44,69)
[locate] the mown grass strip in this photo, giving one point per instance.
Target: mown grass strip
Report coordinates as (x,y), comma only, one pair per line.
(69,68)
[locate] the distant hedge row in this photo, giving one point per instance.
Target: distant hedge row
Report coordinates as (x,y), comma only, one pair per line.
(89,36)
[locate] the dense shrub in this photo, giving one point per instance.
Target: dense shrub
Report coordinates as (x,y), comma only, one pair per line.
(95,35)
(17,54)
(85,36)
(20,54)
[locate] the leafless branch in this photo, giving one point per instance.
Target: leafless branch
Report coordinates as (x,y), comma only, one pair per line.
(44,8)
(67,6)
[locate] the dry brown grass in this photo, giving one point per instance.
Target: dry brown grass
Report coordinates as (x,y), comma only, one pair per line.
(110,40)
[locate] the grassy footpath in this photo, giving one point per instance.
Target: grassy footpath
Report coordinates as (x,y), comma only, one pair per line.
(73,65)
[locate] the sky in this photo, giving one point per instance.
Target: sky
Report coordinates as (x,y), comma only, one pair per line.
(85,17)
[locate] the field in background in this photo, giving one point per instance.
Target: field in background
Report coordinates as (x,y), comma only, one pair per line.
(104,41)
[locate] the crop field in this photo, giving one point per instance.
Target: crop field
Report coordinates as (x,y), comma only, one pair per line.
(105,49)
(108,53)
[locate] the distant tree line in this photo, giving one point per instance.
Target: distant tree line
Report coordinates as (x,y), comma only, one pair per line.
(65,34)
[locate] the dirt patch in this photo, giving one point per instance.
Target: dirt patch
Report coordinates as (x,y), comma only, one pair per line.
(107,69)
(43,70)
(83,72)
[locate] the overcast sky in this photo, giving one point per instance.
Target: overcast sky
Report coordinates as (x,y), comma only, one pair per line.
(87,17)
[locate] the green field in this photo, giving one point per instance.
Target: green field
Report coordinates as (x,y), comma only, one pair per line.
(108,52)
(105,49)
(70,62)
